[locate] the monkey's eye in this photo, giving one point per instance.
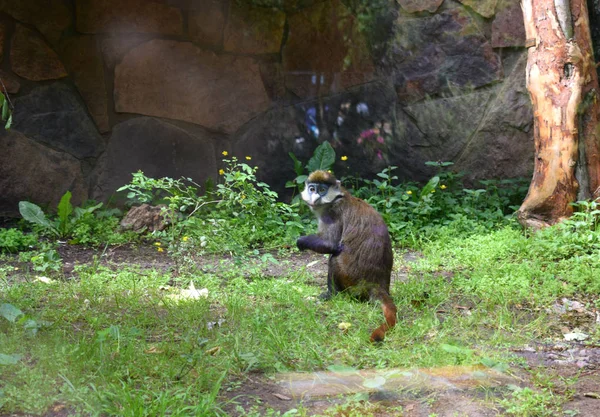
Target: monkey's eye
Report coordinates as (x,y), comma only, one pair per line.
(311,188)
(322,190)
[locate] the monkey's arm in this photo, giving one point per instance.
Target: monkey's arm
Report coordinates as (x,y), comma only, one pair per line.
(317,244)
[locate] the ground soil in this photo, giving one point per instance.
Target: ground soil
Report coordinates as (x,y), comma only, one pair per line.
(562,359)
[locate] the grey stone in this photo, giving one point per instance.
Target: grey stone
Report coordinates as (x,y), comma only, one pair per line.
(508,28)
(502,146)
(53,115)
(220,92)
(267,139)
(32,172)
(415,6)
(445,125)
(157,147)
(440,53)
(486,8)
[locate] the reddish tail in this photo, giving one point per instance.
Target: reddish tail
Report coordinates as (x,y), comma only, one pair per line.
(389,312)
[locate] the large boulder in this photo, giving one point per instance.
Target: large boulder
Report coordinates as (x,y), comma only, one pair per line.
(444,124)
(253,30)
(114,48)
(325,51)
(157,147)
(50,17)
(486,8)
(32,59)
(178,80)
(207,23)
(268,138)
(502,146)
(3,33)
(32,172)
(128,16)
(82,57)
(438,53)
(54,115)
(508,29)
(416,6)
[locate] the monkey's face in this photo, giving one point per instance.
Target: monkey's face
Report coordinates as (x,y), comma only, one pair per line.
(318,194)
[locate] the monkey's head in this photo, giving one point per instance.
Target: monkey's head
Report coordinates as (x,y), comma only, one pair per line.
(321,188)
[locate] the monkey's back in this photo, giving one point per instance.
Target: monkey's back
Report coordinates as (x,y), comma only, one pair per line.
(366,259)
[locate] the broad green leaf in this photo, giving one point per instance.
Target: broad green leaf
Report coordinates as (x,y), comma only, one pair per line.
(5,110)
(430,186)
(9,359)
(10,312)
(322,159)
(301,179)
(34,214)
(2,99)
(298,169)
(65,208)
(8,123)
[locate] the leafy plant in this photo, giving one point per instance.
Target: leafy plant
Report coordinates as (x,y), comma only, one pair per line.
(45,259)
(6,114)
(67,216)
(323,159)
(14,240)
(414,212)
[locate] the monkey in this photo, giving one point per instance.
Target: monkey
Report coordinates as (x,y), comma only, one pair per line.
(358,243)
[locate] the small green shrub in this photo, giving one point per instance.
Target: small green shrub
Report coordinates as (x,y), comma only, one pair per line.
(14,240)
(323,159)
(45,259)
(414,213)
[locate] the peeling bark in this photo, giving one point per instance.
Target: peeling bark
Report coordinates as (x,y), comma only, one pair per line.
(560,73)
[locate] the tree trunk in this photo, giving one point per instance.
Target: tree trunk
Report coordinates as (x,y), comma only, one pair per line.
(563,84)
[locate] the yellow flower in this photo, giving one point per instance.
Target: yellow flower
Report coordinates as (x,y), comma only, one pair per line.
(221,172)
(224,153)
(243,196)
(433,191)
(248,158)
(443,187)
(160,249)
(185,238)
(157,243)
(344,158)
(409,192)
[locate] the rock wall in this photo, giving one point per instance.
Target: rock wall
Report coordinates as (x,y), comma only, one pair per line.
(103,88)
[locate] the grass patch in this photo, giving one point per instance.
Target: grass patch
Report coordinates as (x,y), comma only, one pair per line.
(116,342)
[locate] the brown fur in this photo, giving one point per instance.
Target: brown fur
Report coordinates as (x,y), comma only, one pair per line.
(363,263)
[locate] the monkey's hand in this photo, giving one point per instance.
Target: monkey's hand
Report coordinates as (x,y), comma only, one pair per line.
(317,244)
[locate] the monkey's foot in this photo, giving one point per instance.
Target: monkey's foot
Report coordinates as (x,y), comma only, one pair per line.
(325,296)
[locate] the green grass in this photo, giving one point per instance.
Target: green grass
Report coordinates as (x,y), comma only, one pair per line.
(114,343)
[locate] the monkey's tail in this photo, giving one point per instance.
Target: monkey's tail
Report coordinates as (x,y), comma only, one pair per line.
(389,312)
